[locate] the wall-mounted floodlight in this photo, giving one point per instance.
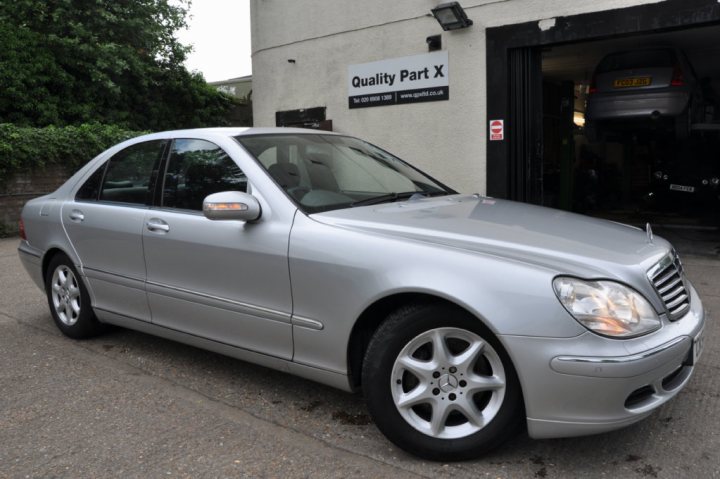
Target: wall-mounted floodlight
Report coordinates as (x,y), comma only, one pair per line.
(451,16)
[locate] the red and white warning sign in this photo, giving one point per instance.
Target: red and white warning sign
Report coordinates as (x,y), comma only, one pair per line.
(497,130)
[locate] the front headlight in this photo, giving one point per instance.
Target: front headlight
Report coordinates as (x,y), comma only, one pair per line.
(606,307)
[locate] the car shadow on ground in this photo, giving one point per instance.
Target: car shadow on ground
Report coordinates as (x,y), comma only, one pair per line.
(341,419)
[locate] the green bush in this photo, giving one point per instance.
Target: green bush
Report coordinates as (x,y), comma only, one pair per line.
(26,149)
(7,231)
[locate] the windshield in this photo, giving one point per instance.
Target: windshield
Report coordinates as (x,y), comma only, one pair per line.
(327,172)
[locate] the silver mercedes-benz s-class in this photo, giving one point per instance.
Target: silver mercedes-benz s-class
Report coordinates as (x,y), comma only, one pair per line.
(460,317)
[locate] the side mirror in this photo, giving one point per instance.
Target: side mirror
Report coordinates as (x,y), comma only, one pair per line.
(231,205)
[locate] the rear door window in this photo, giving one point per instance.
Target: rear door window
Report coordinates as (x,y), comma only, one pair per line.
(131,174)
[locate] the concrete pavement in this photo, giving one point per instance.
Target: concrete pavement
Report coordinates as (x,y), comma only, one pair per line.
(131,405)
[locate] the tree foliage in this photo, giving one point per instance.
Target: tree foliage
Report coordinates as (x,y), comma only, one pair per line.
(65,62)
(29,149)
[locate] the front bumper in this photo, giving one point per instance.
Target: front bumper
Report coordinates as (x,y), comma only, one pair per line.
(590,384)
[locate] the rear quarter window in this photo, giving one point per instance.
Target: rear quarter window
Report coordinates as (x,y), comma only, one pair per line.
(637,59)
(90,190)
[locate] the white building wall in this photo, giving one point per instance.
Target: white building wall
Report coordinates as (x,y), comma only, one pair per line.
(444,138)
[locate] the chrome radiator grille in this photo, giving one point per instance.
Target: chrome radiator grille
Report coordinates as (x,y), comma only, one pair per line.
(668,278)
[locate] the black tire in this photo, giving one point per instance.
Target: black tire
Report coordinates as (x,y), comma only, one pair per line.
(383,380)
(70,304)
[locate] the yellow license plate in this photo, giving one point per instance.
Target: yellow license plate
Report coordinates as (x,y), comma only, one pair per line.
(632,82)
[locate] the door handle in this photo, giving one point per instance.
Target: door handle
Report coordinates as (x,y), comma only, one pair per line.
(77,215)
(157,225)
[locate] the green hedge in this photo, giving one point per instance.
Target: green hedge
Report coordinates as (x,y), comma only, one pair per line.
(26,149)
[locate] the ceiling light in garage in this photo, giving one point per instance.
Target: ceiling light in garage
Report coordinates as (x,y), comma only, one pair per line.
(451,16)
(579,118)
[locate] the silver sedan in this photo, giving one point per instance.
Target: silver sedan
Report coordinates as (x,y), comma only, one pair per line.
(644,84)
(461,318)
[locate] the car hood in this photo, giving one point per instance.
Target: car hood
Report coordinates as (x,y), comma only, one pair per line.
(563,241)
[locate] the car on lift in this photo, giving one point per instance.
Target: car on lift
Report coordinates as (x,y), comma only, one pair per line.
(460,317)
(644,87)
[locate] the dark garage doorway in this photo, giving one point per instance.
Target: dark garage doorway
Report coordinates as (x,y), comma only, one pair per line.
(624,174)
(642,170)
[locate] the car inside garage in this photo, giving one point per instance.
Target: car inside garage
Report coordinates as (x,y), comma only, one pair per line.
(623,126)
(662,168)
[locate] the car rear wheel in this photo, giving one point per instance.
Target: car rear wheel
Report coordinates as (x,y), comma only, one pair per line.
(69,300)
(439,385)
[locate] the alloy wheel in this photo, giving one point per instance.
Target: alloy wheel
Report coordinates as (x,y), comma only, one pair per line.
(448,383)
(65,295)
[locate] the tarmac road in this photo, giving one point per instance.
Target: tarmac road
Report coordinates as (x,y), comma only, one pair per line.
(131,405)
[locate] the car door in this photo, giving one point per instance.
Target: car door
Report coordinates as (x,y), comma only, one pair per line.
(223,280)
(105,223)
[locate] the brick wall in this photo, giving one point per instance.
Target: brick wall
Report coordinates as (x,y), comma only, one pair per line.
(15,192)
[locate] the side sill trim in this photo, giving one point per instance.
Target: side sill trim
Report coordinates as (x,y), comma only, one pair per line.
(203,298)
(330,378)
(216,301)
(129,281)
(307,323)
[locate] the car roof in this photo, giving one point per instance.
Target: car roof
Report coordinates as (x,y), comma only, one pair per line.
(234,131)
(645,48)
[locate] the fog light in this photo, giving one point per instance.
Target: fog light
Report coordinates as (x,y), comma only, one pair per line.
(715,181)
(658,175)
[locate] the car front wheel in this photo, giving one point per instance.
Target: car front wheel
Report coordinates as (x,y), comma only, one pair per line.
(69,300)
(439,384)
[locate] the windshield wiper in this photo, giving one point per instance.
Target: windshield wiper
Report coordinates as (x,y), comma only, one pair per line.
(385,198)
(398,196)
